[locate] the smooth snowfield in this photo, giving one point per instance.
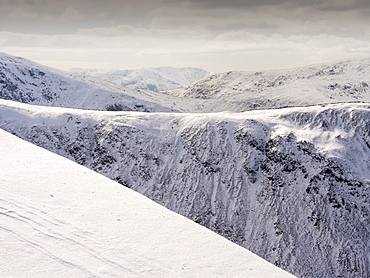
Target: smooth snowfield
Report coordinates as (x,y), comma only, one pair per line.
(59,219)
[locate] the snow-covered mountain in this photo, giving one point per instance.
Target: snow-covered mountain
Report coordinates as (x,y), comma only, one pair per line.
(25,81)
(155,79)
(291,185)
(344,81)
(59,219)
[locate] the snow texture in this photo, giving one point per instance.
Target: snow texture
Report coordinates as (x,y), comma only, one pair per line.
(59,219)
(291,185)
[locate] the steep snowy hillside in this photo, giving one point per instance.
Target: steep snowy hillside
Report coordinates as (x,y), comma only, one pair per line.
(345,81)
(24,81)
(59,219)
(291,185)
(155,79)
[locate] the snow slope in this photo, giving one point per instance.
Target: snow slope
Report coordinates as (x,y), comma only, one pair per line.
(156,79)
(60,219)
(28,82)
(291,185)
(344,81)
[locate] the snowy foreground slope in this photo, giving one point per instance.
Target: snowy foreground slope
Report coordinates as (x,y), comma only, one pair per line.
(344,81)
(28,82)
(59,219)
(156,79)
(291,185)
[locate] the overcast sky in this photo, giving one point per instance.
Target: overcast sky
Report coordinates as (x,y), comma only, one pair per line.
(212,34)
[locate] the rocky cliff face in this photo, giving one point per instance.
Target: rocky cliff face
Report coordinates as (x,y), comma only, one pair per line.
(291,185)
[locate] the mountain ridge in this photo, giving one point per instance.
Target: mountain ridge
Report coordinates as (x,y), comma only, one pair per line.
(239,91)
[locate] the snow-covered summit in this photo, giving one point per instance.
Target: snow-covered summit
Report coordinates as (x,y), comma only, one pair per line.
(6,58)
(155,79)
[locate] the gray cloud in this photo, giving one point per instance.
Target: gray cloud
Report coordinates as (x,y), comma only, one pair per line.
(30,16)
(345,5)
(211,4)
(48,17)
(318,4)
(213,31)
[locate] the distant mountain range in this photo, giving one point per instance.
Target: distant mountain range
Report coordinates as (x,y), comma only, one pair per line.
(155,79)
(28,82)
(344,81)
